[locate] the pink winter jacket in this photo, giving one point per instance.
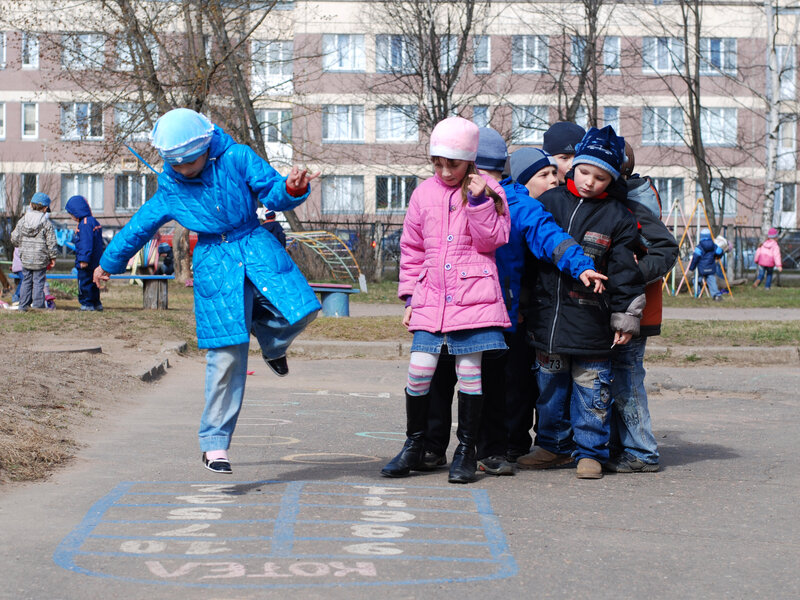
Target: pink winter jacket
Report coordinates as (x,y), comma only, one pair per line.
(769,254)
(447,259)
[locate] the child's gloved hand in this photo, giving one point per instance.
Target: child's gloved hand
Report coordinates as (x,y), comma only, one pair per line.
(297,181)
(589,277)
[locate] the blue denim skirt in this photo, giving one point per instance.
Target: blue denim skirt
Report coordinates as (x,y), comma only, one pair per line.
(466,341)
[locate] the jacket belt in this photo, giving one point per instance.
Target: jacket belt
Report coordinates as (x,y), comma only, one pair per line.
(227,236)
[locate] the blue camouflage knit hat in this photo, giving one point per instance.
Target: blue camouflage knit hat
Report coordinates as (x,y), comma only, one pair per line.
(602,148)
(182,135)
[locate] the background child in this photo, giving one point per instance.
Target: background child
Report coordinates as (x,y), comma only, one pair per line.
(574,330)
(88,250)
(16,267)
(768,258)
(36,239)
(166,263)
(704,259)
(244,281)
(275,228)
(560,142)
(455,221)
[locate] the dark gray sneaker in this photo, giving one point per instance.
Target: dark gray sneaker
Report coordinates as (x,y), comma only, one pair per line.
(495,465)
(629,464)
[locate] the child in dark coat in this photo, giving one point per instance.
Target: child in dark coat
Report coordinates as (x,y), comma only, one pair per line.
(88,250)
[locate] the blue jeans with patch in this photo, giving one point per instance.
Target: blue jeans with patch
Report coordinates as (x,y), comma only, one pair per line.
(226,368)
(630,412)
(574,400)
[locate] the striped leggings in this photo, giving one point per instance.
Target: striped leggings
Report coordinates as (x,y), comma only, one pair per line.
(423,365)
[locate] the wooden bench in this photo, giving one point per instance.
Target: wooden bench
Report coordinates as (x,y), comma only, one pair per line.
(335,298)
(154,293)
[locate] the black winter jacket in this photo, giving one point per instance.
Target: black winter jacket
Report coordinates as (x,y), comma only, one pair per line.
(567,317)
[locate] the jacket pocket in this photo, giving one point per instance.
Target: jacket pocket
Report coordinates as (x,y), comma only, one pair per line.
(420,290)
(476,285)
(208,276)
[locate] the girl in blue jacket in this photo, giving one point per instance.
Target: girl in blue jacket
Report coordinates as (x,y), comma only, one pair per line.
(244,281)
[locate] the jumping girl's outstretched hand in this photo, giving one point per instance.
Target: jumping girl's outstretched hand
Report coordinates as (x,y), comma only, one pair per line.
(621,338)
(407,316)
(589,277)
(298,180)
(100,277)
(477,185)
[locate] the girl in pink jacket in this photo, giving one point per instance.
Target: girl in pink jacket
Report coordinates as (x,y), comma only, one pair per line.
(768,258)
(455,221)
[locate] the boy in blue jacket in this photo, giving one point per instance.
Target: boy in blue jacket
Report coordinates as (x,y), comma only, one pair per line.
(704,259)
(88,250)
(244,281)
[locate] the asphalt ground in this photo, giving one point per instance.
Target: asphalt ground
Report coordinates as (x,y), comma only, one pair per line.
(306,513)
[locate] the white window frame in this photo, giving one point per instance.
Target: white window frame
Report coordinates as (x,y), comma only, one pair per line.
(352,127)
(719,126)
(2,49)
(71,125)
(662,55)
(481,115)
(276,127)
(529,122)
(398,189)
(727,186)
(482,54)
(2,120)
(787,64)
(394,123)
(343,52)
(669,190)
(88,186)
(611,55)
(124,114)
(394,54)
(724,49)
(29,50)
(530,53)
(662,125)
(23,106)
(611,117)
(125,59)
(342,194)
(272,66)
(143,181)
(83,51)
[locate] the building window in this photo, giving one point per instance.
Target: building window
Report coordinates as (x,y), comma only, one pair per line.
(342,123)
(787,145)
(88,186)
(611,55)
(29,186)
(480,115)
(448,52)
(788,72)
(82,121)
(582,117)
(393,192)
(662,125)
(30,120)
(129,56)
(342,194)
(529,53)
(343,52)
(131,191)
(529,124)
(83,51)
(718,126)
(611,117)
(670,190)
(662,55)
(717,55)
(272,67)
(482,57)
(2,120)
(785,210)
(394,54)
(276,127)
(30,50)
(723,196)
(131,121)
(576,56)
(396,123)
(2,49)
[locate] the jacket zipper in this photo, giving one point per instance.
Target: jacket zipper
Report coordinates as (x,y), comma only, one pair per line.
(558,285)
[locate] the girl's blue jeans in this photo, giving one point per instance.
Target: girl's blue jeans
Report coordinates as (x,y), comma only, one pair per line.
(574,401)
(631,415)
(765,271)
(226,367)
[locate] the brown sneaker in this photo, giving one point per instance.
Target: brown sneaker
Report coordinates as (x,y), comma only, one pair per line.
(589,468)
(543,459)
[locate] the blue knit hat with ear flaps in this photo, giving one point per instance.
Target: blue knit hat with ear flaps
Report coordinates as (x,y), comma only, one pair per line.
(602,148)
(182,135)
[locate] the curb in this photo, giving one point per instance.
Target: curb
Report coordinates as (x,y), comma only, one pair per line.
(161,365)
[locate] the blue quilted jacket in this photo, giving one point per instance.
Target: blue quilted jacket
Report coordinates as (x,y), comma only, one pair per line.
(220,205)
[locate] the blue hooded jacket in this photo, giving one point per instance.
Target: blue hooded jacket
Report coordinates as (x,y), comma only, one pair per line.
(89,237)
(534,228)
(704,257)
(220,204)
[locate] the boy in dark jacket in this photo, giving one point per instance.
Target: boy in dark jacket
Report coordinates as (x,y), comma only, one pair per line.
(704,259)
(574,330)
(88,250)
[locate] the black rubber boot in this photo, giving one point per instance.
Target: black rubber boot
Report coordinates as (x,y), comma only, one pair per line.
(464,464)
(413,451)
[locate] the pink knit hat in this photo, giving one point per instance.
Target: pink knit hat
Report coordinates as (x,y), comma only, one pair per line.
(455,138)
(772,233)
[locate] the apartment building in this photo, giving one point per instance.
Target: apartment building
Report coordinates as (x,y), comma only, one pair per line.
(332,87)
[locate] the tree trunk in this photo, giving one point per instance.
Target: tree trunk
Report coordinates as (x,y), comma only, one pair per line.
(183,258)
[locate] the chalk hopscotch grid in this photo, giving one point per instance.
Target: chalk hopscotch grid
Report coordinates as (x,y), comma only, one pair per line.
(283,538)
